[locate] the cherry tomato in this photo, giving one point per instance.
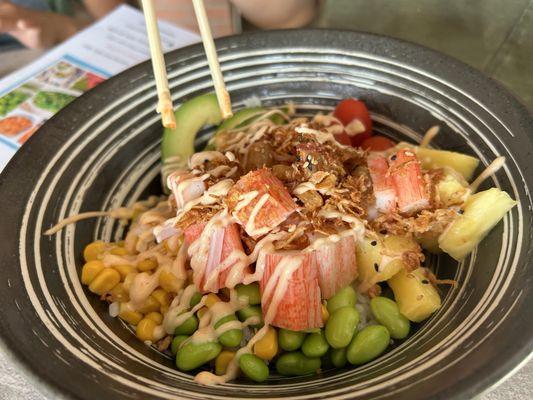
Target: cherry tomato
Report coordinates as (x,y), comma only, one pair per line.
(348,110)
(343,138)
(377,143)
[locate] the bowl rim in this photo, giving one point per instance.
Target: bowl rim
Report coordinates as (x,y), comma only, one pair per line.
(519,357)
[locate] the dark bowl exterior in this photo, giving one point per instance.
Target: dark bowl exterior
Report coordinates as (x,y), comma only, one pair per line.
(102,151)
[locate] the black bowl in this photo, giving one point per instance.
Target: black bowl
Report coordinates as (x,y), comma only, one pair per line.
(103,151)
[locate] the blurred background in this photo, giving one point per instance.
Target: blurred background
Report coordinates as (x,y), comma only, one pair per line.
(493,36)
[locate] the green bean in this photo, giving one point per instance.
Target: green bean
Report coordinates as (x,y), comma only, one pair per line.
(187,327)
(192,355)
(291,340)
(387,313)
(251,311)
(231,338)
(315,345)
(368,344)
(195,299)
(341,326)
(344,297)
(251,292)
(253,367)
(176,342)
(338,357)
(296,363)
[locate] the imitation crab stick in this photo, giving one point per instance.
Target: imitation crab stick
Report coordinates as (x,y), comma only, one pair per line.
(224,243)
(336,264)
(260,202)
(411,193)
(383,185)
(294,301)
(185,187)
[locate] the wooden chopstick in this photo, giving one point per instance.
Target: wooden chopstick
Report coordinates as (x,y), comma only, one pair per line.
(164,105)
(224,101)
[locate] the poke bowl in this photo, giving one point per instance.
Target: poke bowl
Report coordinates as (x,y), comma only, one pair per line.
(103,152)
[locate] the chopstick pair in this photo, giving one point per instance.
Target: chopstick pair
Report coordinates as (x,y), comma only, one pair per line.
(164,106)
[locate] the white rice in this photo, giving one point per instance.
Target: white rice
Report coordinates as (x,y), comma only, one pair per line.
(365,314)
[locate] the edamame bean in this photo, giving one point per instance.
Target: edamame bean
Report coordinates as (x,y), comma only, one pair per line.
(251,311)
(368,344)
(195,299)
(253,367)
(296,363)
(387,313)
(188,327)
(291,340)
(341,326)
(344,297)
(176,342)
(231,338)
(338,357)
(193,355)
(315,345)
(251,292)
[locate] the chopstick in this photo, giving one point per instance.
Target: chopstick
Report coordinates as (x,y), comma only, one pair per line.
(164,105)
(224,101)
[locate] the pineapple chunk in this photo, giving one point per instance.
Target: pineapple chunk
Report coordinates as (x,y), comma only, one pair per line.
(415,295)
(378,260)
(432,158)
(452,189)
(482,211)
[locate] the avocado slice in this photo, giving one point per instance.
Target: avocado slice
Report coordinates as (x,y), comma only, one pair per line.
(191,116)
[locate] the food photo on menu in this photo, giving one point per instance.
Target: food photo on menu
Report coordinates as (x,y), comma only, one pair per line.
(247,199)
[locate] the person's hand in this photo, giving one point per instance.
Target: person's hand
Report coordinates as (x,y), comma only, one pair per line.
(35,29)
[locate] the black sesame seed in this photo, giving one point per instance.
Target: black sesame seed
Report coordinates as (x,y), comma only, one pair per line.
(460,212)
(383,231)
(373,243)
(376,267)
(393,157)
(425,281)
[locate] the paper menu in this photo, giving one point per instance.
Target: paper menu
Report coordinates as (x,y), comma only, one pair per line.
(31,95)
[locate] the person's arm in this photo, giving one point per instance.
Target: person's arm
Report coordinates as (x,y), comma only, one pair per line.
(99,8)
(42,29)
(277,14)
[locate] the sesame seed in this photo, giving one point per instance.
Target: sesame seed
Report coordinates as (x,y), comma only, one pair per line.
(460,211)
(409,154)
(420,297)
(383,231)
(376,267)
(373,243)
(425,281)
(393,158)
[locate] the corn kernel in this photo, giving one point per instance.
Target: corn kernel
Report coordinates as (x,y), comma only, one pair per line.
(169,282)
(155,316)
(128,280)
(267,347)
(123,270)
(161,296)
(145,329)
(119,251)
(150,304)
(104,281)
(147,264)
(130,316)
(93,250)
(201,312)
(211,300)
(90,270)
(325,313)
(119,293)
(222,361)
